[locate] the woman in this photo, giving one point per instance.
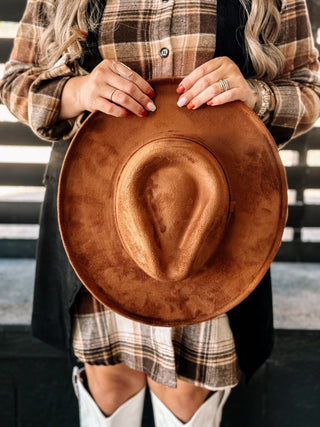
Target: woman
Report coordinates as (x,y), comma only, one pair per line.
(71,57)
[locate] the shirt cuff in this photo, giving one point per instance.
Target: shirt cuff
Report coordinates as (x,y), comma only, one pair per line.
(287,113)
(44,103)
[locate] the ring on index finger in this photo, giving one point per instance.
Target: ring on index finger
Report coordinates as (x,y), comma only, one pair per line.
(120,73)
(224,85)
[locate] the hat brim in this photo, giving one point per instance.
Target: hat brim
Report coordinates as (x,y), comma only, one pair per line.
(86,210)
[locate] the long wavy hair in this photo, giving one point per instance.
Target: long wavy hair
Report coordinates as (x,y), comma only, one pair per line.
(70,22)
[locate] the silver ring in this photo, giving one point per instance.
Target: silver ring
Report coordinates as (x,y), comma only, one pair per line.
(224,85)
(120,73)
(112,93)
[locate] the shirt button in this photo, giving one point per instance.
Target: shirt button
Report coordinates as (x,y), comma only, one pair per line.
(164,52)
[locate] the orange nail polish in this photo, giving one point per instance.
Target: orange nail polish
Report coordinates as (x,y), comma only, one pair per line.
(180,89)
(190,106)
(210,103)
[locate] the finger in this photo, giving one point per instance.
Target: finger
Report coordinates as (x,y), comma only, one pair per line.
(212,79)
(234,94)
(204,96)
(126,101)
(133,91)
(127,73)
(110,108)
(122,99)
(199,95)
(208,67)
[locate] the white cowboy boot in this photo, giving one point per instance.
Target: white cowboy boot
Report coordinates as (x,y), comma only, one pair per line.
(128,414)
(208,415)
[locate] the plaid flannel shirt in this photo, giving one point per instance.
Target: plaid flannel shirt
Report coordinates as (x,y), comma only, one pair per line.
(157,39)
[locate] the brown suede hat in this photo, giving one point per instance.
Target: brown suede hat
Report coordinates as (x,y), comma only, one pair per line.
(172,219)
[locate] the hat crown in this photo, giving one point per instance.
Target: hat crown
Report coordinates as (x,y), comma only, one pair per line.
(172,206)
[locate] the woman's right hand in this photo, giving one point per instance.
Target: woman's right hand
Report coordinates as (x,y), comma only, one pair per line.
(112,88)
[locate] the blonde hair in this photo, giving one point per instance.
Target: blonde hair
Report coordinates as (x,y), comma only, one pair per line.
(261,33)
(69,25)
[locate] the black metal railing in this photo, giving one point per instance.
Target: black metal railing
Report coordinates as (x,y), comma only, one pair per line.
(300,176)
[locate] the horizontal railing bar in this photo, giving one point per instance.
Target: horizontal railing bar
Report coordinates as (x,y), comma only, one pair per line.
(14,133)
(299,252)
(19,212)
(12,10)
(24,174)
(288,251)
(304,216)
(308,141)
(28,213)
(5,49)
(301,177)
(18,248)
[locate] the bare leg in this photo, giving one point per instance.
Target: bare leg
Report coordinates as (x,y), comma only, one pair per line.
(111,386)
(182,401)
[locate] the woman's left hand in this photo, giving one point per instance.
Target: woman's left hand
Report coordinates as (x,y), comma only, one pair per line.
(202,85)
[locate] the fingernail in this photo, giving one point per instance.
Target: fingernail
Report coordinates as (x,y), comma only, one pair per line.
(190,106)
(144,113)
(210,103)
(152,93)
(180,89)
(182,101)
(151,106)
(128,113)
